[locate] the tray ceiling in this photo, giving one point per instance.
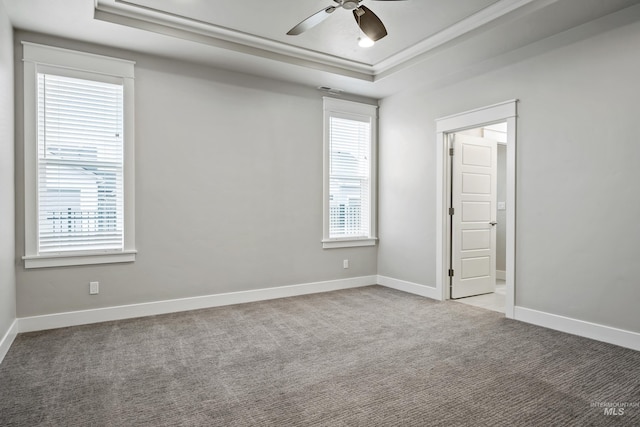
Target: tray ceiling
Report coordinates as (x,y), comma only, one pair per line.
(408,22)
(429,42)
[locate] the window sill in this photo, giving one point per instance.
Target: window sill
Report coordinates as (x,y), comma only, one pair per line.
(348,243)
(62,260)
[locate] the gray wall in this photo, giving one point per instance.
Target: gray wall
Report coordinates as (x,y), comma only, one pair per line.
(7,225)
(228,192)
(577,176)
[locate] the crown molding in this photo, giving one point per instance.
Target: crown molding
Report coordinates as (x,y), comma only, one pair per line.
(157,21)
(465,26)
(130,14)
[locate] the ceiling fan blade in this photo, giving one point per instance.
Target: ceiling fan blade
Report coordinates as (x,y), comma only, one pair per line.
(311,21)
(369,23)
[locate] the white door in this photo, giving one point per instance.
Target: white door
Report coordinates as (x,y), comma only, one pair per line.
(473,236)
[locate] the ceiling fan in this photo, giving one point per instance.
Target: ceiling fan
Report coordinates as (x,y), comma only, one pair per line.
(368,22)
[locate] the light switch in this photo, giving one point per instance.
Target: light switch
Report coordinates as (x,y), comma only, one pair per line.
(502,206)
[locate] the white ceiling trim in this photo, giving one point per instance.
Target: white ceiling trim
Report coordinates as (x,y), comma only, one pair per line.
(162,22)
(460,28)
(190,29)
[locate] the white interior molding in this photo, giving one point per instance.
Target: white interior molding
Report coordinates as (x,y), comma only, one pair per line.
(7,340)
(581,328)
(163,22)
(409,287)
(504,111)
(83,317)
(39,58)
(471,23)
(157,21)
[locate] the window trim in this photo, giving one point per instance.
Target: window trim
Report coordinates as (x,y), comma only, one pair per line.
(341,107)
(38,57)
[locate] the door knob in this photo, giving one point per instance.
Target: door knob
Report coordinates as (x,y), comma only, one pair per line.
(493,223)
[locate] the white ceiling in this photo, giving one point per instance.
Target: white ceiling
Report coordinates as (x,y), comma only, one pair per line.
(431,41)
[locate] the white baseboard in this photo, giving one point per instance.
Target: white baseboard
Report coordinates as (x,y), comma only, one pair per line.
(410,287)
(7,340)
(581,328)
(83,317)
(501,275)
(594,331)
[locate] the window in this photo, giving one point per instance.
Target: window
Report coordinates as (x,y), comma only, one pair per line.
(349,173)
(78,158)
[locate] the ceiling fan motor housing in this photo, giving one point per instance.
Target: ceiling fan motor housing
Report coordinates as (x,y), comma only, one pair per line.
(350,4)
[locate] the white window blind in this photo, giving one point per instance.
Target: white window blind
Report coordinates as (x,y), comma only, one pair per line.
(349,177)
(80,165)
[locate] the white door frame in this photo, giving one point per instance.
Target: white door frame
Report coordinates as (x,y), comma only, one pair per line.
(504,111)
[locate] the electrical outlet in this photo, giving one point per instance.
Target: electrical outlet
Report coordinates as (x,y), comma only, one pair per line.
(345,263)
(94,288)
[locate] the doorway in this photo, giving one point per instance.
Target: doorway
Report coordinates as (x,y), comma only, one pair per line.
(476,134)
(478,218)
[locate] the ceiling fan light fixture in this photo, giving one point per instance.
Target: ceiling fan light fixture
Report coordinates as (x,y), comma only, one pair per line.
(350,4)
(364,41)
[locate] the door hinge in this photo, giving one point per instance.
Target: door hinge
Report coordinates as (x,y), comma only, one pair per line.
(451,272)
(451,211)
(451,151)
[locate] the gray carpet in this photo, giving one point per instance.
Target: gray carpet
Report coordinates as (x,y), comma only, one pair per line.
(360,357)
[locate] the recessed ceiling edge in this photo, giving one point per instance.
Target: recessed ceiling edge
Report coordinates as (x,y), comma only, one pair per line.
(162,22)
